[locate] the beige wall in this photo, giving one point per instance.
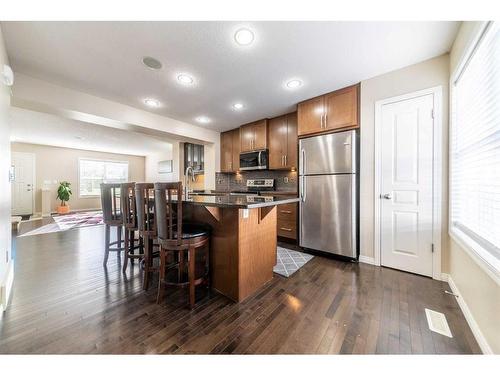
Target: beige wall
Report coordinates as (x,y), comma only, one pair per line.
(61,164)
(479,289)
(5,236)
(430,73)
(152,160)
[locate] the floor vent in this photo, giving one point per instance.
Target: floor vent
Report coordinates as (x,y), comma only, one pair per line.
(437,322)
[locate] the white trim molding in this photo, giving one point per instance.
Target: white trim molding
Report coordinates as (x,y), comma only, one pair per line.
(476,331)
(6,287)
(367,260)
(437,173)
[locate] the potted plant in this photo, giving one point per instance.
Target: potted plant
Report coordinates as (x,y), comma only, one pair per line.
(63,194)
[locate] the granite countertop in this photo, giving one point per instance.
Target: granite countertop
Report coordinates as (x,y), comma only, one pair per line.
(238,201)
(266,193)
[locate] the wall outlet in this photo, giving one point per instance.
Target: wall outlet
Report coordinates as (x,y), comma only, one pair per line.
(285,180)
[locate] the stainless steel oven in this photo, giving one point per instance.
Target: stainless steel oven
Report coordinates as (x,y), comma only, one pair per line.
(254,160)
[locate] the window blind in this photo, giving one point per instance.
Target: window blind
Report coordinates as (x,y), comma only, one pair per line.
(475,146)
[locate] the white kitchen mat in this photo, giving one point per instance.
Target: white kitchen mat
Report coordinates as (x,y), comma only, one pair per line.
(289,261)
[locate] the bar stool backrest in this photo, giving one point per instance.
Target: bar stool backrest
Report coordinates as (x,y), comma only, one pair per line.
(128,205)
(144,200)
(168,206)
(110,202)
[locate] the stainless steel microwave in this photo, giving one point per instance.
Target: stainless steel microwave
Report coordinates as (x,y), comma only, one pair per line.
(254,160)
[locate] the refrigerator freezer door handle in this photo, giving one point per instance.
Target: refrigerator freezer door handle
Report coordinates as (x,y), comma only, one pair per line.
(303,190)
(303,166)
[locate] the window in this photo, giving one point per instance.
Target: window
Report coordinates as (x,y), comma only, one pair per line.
(475,150)
(95,172)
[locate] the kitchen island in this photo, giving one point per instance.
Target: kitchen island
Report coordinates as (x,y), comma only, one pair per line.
(243,239)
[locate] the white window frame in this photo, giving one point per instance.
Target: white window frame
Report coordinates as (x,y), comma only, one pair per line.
(481,256)
(103,161)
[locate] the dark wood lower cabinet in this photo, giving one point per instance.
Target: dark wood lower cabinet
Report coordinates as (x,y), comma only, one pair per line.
(287,221)
(287,217)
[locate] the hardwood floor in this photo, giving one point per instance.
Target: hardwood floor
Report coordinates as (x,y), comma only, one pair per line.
(64,301)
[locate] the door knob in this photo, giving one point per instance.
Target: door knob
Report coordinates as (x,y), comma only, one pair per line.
(387,196)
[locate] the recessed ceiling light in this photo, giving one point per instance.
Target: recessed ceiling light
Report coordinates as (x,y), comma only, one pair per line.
(151,63)
(153,103)
(203,119)
(244,36)
(185,79)
(294,83)
(238,106)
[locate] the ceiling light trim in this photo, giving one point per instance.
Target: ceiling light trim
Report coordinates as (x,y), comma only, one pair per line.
(244,36)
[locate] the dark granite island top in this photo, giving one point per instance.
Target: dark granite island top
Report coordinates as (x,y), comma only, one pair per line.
(238,201)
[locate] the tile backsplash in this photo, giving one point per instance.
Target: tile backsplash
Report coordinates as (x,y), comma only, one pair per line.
(284,180)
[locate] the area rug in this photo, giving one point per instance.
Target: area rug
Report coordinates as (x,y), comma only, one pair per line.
(290,261)
(66,222)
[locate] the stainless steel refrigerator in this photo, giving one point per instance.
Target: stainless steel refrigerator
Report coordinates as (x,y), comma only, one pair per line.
(329,185)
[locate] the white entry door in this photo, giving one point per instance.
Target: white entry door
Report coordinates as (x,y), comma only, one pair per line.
(22,186)
(406,184)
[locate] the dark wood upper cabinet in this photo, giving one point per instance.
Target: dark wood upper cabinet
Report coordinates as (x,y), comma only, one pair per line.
(253,136)
(236,149)
(310,115)
(226,151)
(246,138)
(260,129)
(292,139)
(336,110)
(194,155)
(342,108)
(277,142)
(230,150)
(283,142)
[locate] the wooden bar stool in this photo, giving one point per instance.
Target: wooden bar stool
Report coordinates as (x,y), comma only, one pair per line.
(179,239)
(144,200)
(112,217)
(129,213)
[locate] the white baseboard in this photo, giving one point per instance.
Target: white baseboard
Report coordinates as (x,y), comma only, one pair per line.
(481,340)
(367,260)
(6,287)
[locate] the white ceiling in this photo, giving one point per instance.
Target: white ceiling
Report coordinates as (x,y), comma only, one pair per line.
(104,59)
(40,128)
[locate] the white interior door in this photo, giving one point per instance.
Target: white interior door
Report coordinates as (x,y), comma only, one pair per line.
(406,199)
(22,186)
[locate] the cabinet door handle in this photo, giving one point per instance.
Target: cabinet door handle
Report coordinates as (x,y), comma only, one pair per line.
(285,161)
(326,117)
(282,160)
(285,212)
(286,229)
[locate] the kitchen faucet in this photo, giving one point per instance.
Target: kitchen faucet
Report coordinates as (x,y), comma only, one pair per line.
(187,181)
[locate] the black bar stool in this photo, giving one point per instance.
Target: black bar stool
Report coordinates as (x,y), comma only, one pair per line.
(129,213)
(179,239)
(112,217)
